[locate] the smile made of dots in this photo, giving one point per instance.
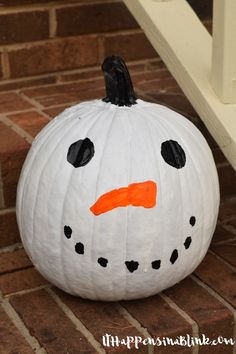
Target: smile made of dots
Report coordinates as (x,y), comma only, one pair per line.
(131,265)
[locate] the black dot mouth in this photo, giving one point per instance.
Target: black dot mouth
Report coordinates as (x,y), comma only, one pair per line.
(174,256)
(133,265)
(188,242)
(79,248)
(156,264)
(192,220)
(67,231)
(103,262)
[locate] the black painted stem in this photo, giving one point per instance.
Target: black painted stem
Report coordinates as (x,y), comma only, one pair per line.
(119,87)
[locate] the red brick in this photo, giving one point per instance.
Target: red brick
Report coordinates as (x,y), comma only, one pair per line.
(11,261)
(20,280)
(175,90)
(96,72)
(212,317)
(31,122)
(222,235)
(11,341)
(160,85)
(23,2)
(82,75)
(159,319)
(227,209)
(13,85)
(13,150)
(58,99)
(10,102)
(10,142)
(54,55)
(1,74)
(55,332)
(227,178)
(132,46)
(53,112)
(67,88)
(9,233)
(100,318)
(218,276)
(141,77)
(9,191)
(72,98)
(227,252)
(94,18)
(174,101)
(24,27)
(68,93)
(153,82)
(157,64)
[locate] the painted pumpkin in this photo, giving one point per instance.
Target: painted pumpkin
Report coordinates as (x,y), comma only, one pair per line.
(118,198)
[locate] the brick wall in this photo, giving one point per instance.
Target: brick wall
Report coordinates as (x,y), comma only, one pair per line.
(39,38)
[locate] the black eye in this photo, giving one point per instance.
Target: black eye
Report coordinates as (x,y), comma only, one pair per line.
(80,152)
(173,154)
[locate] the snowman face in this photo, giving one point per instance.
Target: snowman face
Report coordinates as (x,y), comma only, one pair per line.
(140,194)
(117,202)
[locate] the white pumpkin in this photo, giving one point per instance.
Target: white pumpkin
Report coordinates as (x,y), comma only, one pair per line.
(118,198)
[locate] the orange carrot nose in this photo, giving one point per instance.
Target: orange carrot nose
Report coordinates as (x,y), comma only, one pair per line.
(136,194)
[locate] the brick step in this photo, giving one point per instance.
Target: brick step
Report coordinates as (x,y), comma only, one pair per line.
(39,316)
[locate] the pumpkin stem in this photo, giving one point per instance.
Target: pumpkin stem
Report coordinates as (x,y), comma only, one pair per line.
(119,87)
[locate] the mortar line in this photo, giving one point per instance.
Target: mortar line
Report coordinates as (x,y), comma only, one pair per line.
(222,260)
(221,300)
(78,324)
(30,100)
(63,104)
(30,110)
(11,248)
(228,242)
(229,228)
(47,6)
(227,219)
(7,210)
(187,318)
(18,46)
(21,132)
(17,112)
(58,75)
(27,291)
(52,23)
(142,330)
(40,108)
(8,272)
(20,325)
(37,106)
